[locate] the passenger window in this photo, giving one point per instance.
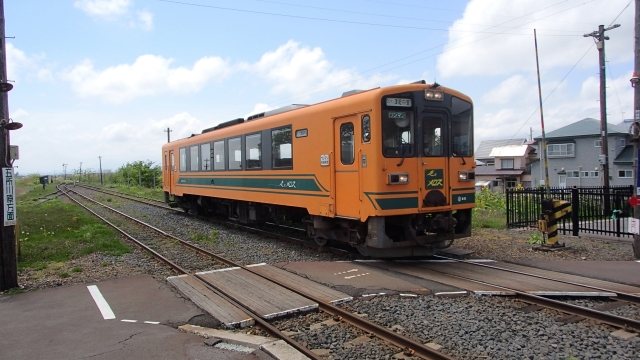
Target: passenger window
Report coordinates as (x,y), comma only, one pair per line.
(346,143)
(183,159)
(173,163)
(366,128)
(281,148)
(205,156)
(235,154)
(253,144)
(218,155)
(194,158)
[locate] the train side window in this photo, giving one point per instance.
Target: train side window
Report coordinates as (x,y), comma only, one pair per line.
(205,156)
(173,162)
(183,159)
(347,148)
(234,153)
(193,156)
(281,148)
(366,128)
(253,146)
(218,155)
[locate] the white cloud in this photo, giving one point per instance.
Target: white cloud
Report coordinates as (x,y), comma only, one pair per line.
(103,8)
(148,75)
(259,108)
(146,20)
(298,70)
(19,113)
(509,90)
(560,39)
(19,63)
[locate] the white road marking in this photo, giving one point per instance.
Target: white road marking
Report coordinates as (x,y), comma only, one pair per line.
(152,322)
(125,320)
(106,311)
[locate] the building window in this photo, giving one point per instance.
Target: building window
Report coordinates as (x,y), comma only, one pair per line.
(625,173)
(506,163)
(205,156)
(234,154)
(573,174)
(561,150)
(218,155)
(253,146)
(597,143)
(511,183)
(584,174)
(623,142)
(594,174)
(282,156)
(496,183)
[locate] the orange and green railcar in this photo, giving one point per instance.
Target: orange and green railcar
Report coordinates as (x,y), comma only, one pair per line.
(388,170)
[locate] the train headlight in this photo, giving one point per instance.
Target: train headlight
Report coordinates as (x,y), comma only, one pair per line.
(466,175)
(436,95)
(398,178)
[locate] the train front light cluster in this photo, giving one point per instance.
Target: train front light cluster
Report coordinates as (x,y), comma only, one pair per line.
(398,178)
(430,94)
(466,175)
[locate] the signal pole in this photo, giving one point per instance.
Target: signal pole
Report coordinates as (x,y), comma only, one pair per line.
(64,166)
(600,38)
(636,123)
(168,137)
(100,157)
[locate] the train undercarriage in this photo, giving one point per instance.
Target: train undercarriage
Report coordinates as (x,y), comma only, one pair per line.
(378,237)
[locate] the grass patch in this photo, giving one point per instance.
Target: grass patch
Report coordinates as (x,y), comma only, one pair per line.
(76,269)
(54,232)
(204,238)
(157,193)
(489,219)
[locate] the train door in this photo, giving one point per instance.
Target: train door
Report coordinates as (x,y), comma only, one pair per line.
(171,175)
(347,182)
(433,164)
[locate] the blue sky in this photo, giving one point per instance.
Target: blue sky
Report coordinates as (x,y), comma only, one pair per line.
(106,77)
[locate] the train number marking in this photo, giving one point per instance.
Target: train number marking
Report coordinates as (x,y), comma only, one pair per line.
(287,184)
(324,160)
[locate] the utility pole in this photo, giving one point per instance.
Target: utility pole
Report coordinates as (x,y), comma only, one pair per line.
(604,158)
(636,123)
(64,168)
(168,137)
(80,175)
(8,253)
(100,157)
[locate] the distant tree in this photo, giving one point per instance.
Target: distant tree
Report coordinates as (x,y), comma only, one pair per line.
(138,170)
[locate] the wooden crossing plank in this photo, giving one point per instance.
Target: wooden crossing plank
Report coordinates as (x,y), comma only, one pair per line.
(256,293)
(572,278)
(514,281)
(325,293)
(474,287)
(211,302)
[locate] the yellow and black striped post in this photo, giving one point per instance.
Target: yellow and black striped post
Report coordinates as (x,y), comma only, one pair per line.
(553,210)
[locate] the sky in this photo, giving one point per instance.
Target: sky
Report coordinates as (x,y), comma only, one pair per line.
(106,78)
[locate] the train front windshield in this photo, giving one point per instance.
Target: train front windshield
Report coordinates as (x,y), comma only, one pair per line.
(398,134)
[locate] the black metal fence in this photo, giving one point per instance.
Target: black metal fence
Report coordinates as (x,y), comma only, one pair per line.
(594,210)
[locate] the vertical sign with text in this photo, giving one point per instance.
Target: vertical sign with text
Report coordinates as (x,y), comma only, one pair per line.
(9,211)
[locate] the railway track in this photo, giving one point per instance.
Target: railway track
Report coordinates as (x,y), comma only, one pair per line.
(410,346)
(275,231)
(580,311)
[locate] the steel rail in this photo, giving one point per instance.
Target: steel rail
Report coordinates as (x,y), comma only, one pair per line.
(402,342)
(126,196)
(614,320)
(264,324)
(635,299)
(252,230)
(115,192)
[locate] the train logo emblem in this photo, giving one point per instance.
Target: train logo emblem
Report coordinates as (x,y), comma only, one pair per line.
(434,179)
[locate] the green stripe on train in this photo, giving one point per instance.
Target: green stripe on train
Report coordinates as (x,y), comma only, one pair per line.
(255,183)
(398,203)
